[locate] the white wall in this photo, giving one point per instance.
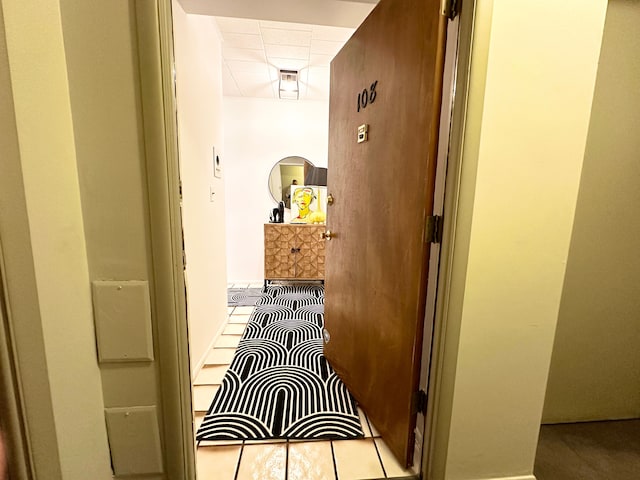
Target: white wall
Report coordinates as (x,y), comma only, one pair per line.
(200,128)
(259,133)
(595,368)
(530,97)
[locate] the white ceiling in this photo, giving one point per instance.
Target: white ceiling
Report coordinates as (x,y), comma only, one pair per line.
(261,36)
(254,50)
(337,13)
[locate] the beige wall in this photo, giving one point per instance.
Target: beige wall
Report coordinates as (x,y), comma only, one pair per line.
(47,156)
(21,297)
(101,44)
(595,367)
(100,41)
(529,103)
(199,97)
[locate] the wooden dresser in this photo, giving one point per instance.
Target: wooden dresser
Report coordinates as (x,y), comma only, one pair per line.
(293,252)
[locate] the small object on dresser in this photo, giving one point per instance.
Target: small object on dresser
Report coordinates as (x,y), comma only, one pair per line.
(277,214)
(281,212)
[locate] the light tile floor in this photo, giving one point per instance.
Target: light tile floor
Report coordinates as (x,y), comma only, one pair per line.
(361,459)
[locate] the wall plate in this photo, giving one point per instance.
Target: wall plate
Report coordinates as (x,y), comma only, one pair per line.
(217,164)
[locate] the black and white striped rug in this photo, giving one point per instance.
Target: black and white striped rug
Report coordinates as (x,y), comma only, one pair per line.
(243,297)
(279,384)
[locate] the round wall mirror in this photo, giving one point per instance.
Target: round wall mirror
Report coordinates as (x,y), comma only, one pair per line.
(288,171)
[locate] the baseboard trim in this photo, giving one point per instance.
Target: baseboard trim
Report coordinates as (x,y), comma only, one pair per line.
(521,477)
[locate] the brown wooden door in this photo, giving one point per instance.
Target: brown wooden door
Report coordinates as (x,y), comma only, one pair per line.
(376,263)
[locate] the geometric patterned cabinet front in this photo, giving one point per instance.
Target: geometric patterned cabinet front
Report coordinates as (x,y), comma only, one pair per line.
(293,252)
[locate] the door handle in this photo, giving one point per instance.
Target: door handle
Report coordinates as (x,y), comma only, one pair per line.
(326,336)
(330,199)
(328,235)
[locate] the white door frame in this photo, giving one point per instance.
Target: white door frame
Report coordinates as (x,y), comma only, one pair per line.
(439,378)
(168,297)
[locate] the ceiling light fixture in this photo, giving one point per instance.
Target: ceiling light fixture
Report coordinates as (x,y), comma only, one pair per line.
(289,88)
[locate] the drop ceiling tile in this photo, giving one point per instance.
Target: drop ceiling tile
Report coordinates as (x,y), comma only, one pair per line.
(286,25)
(318,83)
(319,75)
(242,40)
(276,36)
(304,75)
(286,51)
(246,54)
(304,83)
(229,87)
(320,60)
(237,66)
(336,34)
(254,51)
(325,47)
(273,73)
(288,63)
(238,25)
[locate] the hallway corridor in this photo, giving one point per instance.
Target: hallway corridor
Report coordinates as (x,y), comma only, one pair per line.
(367,458)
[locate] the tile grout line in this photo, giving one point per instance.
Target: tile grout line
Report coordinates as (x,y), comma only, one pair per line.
(375,445)
(333,457)
(286,460)
(235,477)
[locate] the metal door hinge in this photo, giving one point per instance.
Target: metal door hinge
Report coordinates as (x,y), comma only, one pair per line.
(433,233)
(420,402)
(450,8)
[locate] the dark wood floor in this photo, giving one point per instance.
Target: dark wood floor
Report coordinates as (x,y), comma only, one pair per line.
(589,451)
